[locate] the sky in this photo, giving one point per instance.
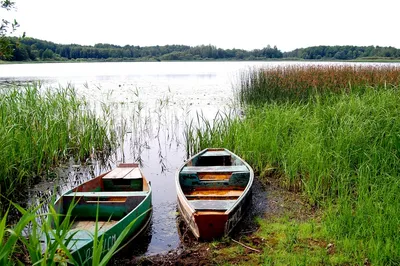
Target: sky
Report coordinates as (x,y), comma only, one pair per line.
(249,24)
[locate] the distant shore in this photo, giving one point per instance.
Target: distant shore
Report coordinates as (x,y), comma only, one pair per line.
(362,60)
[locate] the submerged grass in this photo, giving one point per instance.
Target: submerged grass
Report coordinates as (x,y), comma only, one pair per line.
(340,148)
(39,128)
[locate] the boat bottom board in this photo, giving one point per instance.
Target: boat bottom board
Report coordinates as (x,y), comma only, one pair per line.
(217,205)
(89,225)
(214,193)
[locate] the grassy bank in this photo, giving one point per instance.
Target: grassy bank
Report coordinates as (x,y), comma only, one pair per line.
(332,133)
(40,128)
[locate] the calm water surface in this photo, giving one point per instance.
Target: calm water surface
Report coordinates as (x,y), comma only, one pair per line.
(152,102)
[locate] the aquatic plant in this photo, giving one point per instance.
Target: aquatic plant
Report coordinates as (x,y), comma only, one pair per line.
(340,148)
(304,82)
(43,239)
(42,127)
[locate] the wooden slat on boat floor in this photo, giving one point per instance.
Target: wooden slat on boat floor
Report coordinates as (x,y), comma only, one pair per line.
(210,177)
(212,205)
(90,225)
(215,193)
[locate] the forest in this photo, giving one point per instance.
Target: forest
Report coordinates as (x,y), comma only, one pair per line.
(31,49)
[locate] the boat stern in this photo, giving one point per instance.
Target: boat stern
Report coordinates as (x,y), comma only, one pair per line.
(211,224)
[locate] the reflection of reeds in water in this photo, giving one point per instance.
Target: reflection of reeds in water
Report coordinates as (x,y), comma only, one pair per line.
(148,123)
(142,124)
(68,177)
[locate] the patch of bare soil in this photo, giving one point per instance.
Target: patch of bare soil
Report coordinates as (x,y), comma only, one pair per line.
(269,201)
(197,255)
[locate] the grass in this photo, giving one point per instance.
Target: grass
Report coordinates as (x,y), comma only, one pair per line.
(300,84)
(40,128)
(339,147)
(43,239)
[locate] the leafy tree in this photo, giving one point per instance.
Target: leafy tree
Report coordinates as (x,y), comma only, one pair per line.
(6,28)
(47,54)
(21,53)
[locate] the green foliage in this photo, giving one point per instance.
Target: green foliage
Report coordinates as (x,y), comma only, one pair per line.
(346,52)
(47,54)
(34,49)
(43,239)
(341,148)
(6,27)
(40,128)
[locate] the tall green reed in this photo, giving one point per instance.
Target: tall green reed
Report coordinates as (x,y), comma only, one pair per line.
(296,83)
(40,128)
(340,148)
(43,239)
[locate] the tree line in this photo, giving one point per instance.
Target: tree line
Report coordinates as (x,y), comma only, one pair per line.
(31,49)
(346,52)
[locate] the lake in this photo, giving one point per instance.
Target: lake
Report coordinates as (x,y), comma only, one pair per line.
(153,102)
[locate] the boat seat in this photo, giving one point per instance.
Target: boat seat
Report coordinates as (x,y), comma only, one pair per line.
(214,193)
(211,205)
(215,153)
(190,179)
(107,194)
(215,169)
(124,173)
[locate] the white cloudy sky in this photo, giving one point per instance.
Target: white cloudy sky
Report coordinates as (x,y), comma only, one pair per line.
(246,24)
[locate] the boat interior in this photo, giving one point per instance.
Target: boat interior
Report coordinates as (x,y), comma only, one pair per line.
(214,180)
(109,197)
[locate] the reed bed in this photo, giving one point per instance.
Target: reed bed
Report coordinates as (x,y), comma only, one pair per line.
(302,83)
(40,128)
(342,150)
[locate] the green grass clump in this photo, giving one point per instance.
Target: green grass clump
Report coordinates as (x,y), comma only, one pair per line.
(342,150)
(43,239)
(40,128)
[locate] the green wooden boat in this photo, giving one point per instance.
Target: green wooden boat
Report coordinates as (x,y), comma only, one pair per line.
(117,198)
(214,190)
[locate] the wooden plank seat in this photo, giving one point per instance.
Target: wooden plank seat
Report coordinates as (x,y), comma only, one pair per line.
(211,205)
(218,153)
(215,169)
(102,194)
(214,194)
(124,173)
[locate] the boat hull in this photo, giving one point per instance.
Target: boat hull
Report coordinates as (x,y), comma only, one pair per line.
(113,201)
(142,217)
(212,199)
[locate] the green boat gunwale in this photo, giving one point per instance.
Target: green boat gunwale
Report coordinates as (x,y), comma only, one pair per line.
(141,212)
